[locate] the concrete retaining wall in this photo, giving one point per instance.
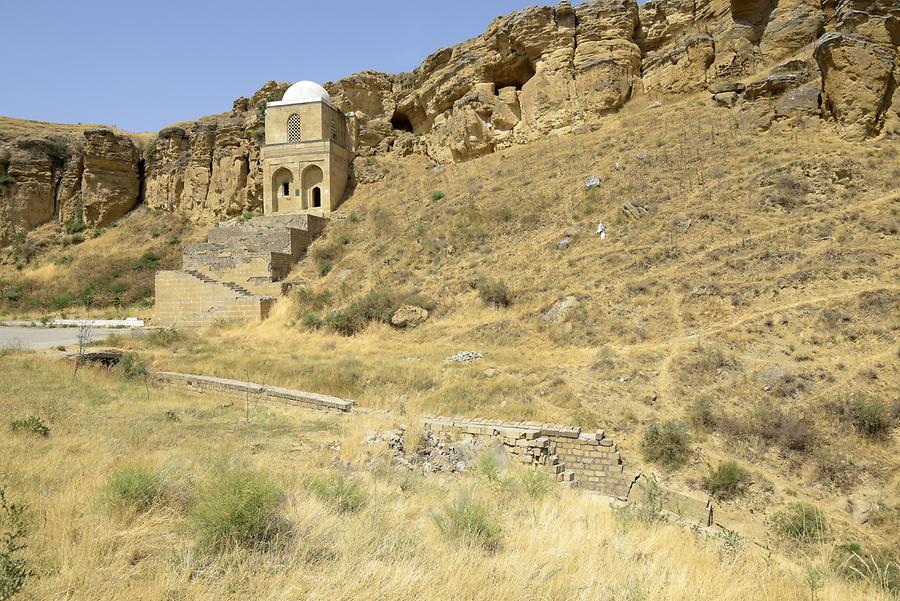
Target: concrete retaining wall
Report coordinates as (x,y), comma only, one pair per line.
(256,393)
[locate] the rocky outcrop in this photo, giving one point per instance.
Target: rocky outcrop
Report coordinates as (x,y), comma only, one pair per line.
(90,177)
(550,69)
(858,63)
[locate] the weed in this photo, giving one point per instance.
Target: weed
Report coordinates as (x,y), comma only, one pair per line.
(338,491)
(534,483)
(870,417)
(469,520)
(879,570)
(31,425)
(324,267)
(163,337)
(702,413)
(147,262)
(131,367)
(376,306)
(437,195)
(493,292)
(728,480)
(667,444)
(14,571)
(138,487)
(237,507)
(800,523)
(488,465)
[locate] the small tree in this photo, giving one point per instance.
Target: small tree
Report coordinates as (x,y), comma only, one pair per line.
(85,336)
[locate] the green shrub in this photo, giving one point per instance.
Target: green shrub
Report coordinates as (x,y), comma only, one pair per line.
(437,195)
(324,267)
(375,306)
(702,413)
(131,367)
(727,480)
(237,507)
(340,492)
(138,487)
(6,181)
(469,520)
(74,226)
(148,262)
(163,337)
(879,570)
(14,571)
(533,483)
(31,425)
(800,523)
(488,465)
(493,292)
(667,444)
(870,417)
(311,321)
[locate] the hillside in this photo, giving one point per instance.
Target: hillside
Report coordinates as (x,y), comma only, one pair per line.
(742,307)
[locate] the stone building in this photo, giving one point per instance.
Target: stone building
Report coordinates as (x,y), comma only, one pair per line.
(308,152)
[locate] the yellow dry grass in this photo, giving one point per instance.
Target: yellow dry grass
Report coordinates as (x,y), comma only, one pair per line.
(563,546)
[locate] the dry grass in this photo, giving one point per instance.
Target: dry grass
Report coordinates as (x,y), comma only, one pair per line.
(559,546)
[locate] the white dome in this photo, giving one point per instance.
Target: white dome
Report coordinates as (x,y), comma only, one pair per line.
(306,91)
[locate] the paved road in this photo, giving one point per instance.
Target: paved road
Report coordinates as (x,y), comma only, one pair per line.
(44,338)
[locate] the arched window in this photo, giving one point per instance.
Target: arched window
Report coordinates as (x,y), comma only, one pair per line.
(293,129)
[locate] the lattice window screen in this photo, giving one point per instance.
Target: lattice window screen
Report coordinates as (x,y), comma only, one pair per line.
(293,128)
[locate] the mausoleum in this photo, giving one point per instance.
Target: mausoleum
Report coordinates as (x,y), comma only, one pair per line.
(307,154)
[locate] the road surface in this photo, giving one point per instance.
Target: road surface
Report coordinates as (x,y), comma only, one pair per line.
(46,338)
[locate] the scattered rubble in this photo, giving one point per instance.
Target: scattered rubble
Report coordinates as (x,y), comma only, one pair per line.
(465,357)
(592,182)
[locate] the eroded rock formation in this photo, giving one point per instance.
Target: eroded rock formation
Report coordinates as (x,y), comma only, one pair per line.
(541,70)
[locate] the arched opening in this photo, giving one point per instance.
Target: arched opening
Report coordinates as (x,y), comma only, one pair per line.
(511,73)
(294,129)
(282,182)
(401,122)
(312,180)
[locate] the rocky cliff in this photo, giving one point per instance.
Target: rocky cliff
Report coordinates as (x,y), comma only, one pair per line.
(541,70)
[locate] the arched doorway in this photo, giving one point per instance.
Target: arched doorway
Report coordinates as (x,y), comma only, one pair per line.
(282,184)
(312,187)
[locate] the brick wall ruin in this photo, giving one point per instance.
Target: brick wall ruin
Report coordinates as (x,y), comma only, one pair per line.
(588,460)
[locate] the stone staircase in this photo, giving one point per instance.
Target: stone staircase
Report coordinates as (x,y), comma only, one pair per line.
(237,273)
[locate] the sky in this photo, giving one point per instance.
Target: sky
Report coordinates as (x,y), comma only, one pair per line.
(141,66)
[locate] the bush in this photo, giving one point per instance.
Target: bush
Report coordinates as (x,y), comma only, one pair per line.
(726,481)
(376,306)
(879,570)
(7,180)
(800,523)
(131,367)
(137,487)
(74,226)
(311,321)
(791,432)
(437,195)
(14,570)
(488,465)
(869,416)
(163,337)
(493,292)
(237,507)
(31,425)
(535,484)
(324,267)
(340,492)
(702,413)
(469,520)
(148,262)
(667,444)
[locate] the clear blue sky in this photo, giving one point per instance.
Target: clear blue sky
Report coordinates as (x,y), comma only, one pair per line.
(144,65)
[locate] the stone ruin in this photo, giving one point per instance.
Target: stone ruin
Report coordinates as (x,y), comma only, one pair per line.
(237,274)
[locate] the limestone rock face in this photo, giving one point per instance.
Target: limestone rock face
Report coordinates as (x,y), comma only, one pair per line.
(857,82)
(90,176)
(110,186)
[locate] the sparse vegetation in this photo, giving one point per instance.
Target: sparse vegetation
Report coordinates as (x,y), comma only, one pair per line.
(137,487)
(376,306)
(493,292)
(469,520)
(31,425)
(800,523)
(666,444)
(14,570)
(726,481)
(338,491)
(237,507)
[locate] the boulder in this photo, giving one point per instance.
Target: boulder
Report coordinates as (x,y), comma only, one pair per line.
(561,311)
(409,316)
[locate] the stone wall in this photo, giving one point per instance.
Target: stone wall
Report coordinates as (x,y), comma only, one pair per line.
(186,299)
(235,390)
(588,460)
